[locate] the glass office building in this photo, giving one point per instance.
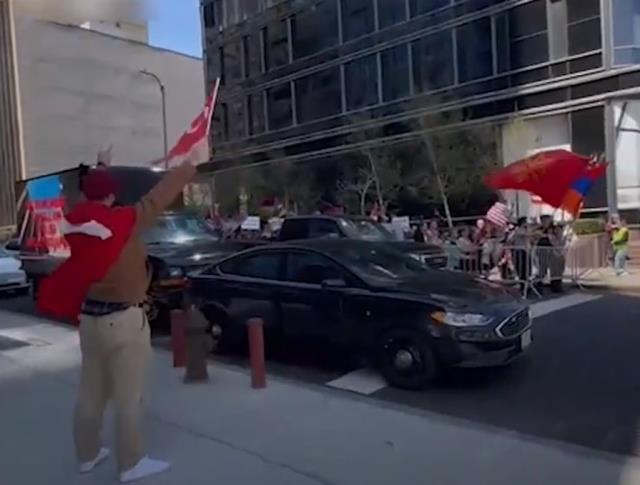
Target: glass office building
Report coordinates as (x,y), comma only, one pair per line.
(496,80)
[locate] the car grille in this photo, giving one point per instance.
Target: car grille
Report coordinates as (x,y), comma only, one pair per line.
(514,325)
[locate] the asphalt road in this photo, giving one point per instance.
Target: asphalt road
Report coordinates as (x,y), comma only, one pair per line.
(579,384)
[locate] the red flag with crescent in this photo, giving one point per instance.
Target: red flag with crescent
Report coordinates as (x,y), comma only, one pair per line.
(198,133)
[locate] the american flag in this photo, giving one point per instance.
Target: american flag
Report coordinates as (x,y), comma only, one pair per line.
(498,215)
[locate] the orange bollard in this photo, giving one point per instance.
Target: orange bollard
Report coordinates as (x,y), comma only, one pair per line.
(256,353)
(178,337)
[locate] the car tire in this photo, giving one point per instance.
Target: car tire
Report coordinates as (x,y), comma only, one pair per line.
(406,359)
(225,339)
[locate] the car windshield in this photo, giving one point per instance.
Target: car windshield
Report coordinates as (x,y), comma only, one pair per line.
(366,230)
(178,229)
(373,261)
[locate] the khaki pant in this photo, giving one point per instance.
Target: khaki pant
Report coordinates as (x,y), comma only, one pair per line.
(115,351)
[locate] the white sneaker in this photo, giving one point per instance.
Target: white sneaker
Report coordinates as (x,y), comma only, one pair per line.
(87,466)
(145,467)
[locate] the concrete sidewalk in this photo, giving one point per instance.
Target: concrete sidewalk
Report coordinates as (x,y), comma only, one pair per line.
(605,279)
(225,433)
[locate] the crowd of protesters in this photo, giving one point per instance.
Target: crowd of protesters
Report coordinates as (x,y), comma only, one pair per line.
(515,252)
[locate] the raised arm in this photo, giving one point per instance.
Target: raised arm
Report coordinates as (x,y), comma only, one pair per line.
(163,195)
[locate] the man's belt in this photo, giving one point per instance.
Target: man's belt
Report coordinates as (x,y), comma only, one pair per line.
(96,308)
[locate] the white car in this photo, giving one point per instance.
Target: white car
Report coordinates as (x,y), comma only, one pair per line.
(12,278)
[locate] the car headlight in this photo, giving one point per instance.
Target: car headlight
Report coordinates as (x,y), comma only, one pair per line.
(176,272)
(457,319)
(415,256)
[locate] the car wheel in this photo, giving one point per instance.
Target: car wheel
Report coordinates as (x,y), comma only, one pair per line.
(225,340)
(406,359)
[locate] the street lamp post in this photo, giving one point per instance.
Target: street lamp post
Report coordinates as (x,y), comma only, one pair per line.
(164,113)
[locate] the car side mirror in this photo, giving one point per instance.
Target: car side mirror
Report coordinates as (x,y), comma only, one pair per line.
(13,246)
(334,283)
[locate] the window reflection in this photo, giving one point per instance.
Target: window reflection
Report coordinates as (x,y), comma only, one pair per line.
(315,29)
(522,36)
(236,126)
(252,55)
(232,62)
(626,31)
(474,45)
(361,78)
(255,113)
(433,61)
(279,106)
(276,41)
(395,73)
(357,18)
(318,95)
(391,12)
(419,7)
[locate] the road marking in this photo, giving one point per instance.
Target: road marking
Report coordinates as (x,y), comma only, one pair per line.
(550,306)
(368,381)
(362,381)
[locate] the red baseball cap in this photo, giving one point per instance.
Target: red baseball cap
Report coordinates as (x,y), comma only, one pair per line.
(99,184)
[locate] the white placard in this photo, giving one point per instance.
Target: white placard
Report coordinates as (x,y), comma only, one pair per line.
(251,223)
(402,222)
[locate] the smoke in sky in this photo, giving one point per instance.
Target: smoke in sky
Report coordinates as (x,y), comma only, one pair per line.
(77,11)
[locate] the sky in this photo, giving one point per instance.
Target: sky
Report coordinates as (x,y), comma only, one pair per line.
(175,25)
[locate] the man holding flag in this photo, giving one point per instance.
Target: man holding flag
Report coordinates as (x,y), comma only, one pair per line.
(103,284)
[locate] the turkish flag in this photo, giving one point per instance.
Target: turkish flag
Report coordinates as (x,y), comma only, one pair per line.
(193,142)
(96,235)
(549,175)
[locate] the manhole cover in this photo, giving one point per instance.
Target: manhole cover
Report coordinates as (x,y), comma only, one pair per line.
(7,343)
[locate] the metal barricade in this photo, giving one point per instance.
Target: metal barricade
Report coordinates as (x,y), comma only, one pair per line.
(529,267)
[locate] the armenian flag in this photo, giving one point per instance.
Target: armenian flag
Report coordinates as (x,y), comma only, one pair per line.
(574,198)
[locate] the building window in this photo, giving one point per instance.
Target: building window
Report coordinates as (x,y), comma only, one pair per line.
(522,36)
(232,62)
(215,64)
(212,13)
(433,61)
(248,8)
(276,41)
(395,73)
(584,29)
(235,119)
(279,106)
(255,113)
(318,95)
(391,12)
(252,55)
(474,46)
(418,7)
(361,80)
(358,18)
(626,32)
(218,124)
(315,29)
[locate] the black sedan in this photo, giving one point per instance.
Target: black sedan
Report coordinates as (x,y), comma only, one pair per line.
(409,319)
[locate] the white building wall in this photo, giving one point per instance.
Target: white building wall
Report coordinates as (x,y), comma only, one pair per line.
(627,116)
(82,90)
